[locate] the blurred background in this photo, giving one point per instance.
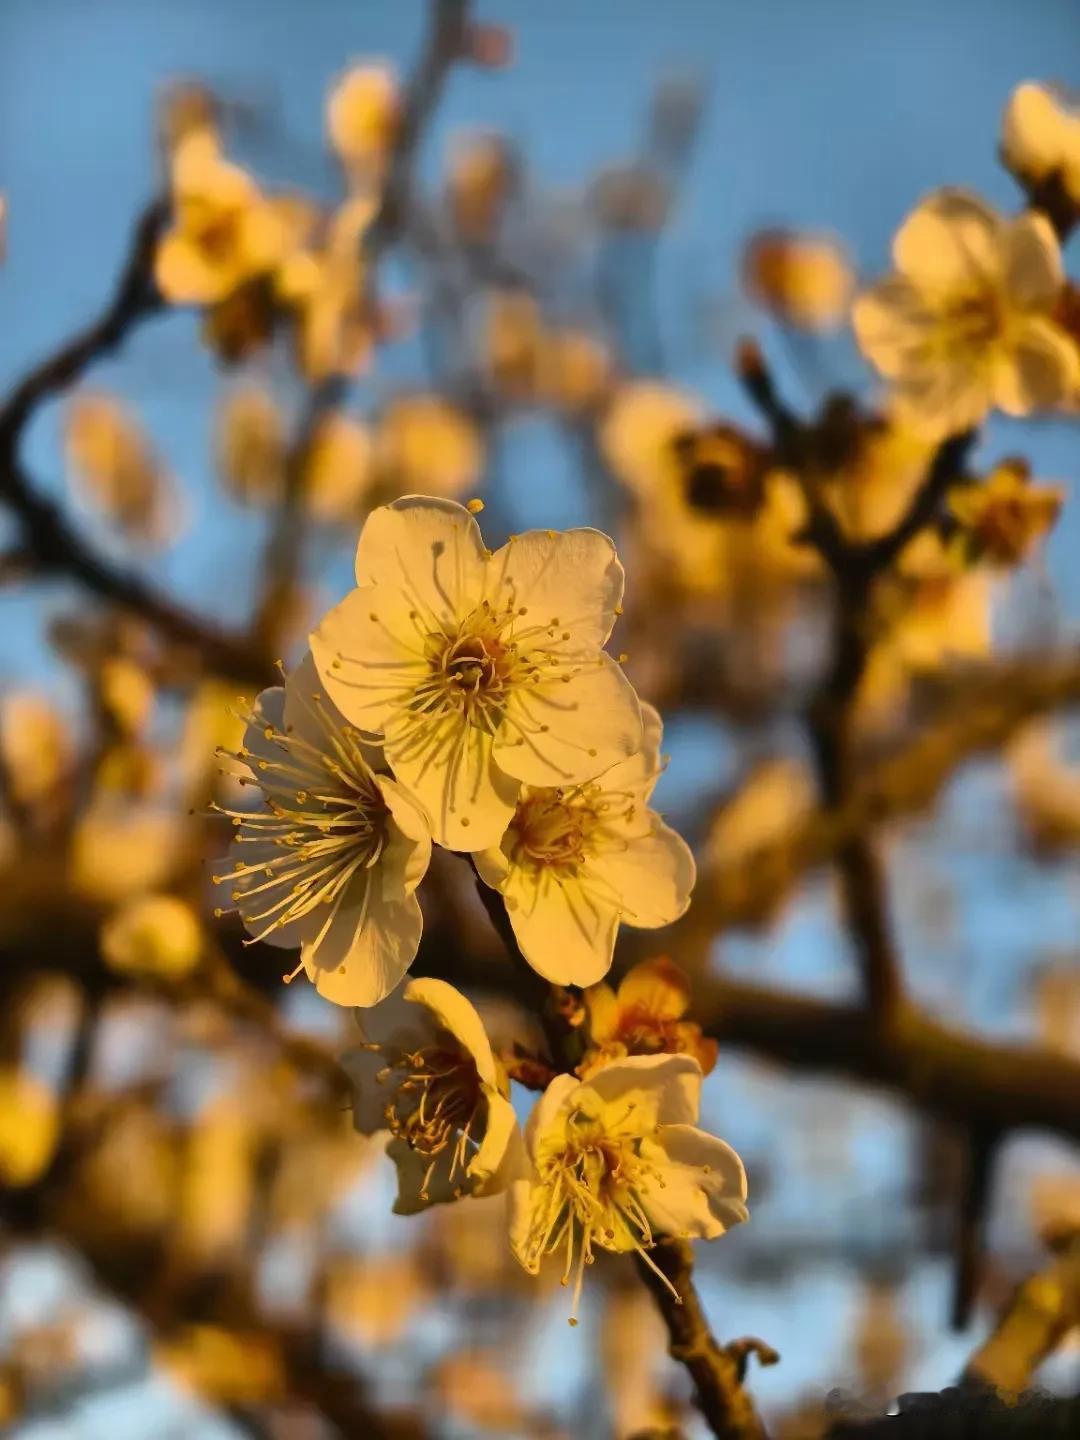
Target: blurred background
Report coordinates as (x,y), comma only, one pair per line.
(216,1256)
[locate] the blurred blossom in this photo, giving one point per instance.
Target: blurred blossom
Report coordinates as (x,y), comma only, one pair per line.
(35,746)
(512,344)
(1040,138)
(1046,791)
(120,849)
(481,177)
(213,727)
(965,322)
(1055,1205)
(217,1186)
(638,433)
(337,469)
(372,1299)
(618,1163)
(425,1071)
(325,289)
(643,1016)
(156,935)
(363,115)
(723,470)
(476,1388)
(576,371)
(29,1126)
(872,488)
(773,799)
(127,694)
(1004,517)
(114,469)
(127,1181)
(425,445)
(226,1367)
(630,1338)
(1057,990)
(224,231)
(804,280)
(250,445)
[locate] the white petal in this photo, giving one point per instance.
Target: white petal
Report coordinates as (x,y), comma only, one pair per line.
(652,876)
(311,714)
(1033,266)
(369,654)
(360,963)
(565,933)
(431,550)
(544,1118)
(453,1012)
(638,775)
(665,1089)
(450,768)
(704,1190)
(407,854)
(500,1160)
(1042,372)
(569,582)
(572,727)
(951,240)
(525,1198)
(891,322)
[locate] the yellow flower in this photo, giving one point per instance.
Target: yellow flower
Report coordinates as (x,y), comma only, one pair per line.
(29,1126)
(120,850)
(872,489)
(114,468)
(35,746)
(424,445)
(224,233)
(427,1074)
(804,280)
(618,1164)
(639,431)
(576,370)
(250,445)
(644,1016)
(1040,137)
(363,115)
(228,1367)
(1002,519)
(338,469)
(480,177)
(576,860)
(332,860)
(512,342)
(156,935)
(326,291)
(480,671)
(126,693)
(964,325)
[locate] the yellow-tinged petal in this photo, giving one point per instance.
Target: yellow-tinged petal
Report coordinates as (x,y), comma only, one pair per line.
(704,1189)
(652,875)
(1032,259)
(185,276)
(1043,371)
(455,1013)
(950,240)
(368,651)
(603,1012)
(568,582)
(367,949)
(665,1089)
(658,987)
(572,726)
(431,550)
(565,931)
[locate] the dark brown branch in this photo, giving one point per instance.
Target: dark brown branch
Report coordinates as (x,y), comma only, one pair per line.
(717,1372)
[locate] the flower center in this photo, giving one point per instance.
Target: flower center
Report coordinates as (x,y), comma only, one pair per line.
(592,1198)
(435,1105)
(324,826)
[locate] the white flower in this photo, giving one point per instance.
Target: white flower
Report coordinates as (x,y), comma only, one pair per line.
(332,861)
(480,671)
(618,1164)
(1040,137)
(577,859)
(965,324)
(427,1074)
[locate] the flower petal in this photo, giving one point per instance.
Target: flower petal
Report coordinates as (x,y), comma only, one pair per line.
(571,727)
(364,953)
(369,1097)
(569,582)
(652,875)
(658,987)
(368,651)
(951,240)
(412,1170)
(1033,266)
(311,714)
(890,321)
(704,1189)
(602,1009)
(449,766)
(500,1160)
(185,276)
(1042,372)
(453,1012)
(429,549)
(666,1090)
(566,934)
(408,850)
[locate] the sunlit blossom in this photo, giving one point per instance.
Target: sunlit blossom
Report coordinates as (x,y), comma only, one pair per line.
(644,1015)
(1040,137)
(427,1074)
(1002,519)
(618,1164)
(425,445)
(363,114)
(338,469)
(115,469)
(331,861)
(224,230)
(964,325)
(480,671)
(576,860)
(35,746)
(325,288)
(250,445)
(29,1126)
(156,935)
(804,280)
